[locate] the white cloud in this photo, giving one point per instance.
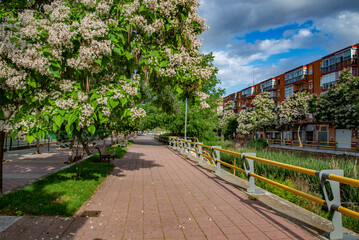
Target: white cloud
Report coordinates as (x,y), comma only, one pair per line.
(333,26)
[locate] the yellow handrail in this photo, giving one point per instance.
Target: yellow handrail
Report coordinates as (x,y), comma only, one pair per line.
(289,189)
(283,165)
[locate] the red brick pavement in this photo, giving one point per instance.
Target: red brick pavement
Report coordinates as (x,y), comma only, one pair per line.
(155,194)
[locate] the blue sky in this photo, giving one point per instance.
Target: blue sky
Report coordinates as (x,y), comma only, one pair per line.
(259,39)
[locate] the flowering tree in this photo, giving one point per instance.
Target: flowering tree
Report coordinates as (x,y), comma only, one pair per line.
(80,63)
(227,120)
(293,111)
(246,121)
(340,103)
(260,117)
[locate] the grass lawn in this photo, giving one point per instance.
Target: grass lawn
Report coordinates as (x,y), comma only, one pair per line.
(61,193)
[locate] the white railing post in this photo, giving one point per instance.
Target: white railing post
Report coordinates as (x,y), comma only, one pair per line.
(249,168)
(199,152)
(334,203)
(216,154)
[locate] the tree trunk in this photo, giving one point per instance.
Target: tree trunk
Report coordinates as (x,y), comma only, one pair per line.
(84,145)
(2,141)
(37,146)
(71,151)
(299,139)
(111,138)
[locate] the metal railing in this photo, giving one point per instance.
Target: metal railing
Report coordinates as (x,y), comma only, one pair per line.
(212,154)
(336,146)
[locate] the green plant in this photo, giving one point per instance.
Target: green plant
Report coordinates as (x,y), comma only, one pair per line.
(19,213)
(258,143)
(251,197)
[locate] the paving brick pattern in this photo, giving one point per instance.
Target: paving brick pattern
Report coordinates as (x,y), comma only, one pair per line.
(153,193)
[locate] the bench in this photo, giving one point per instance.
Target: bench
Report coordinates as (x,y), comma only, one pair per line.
(105,154)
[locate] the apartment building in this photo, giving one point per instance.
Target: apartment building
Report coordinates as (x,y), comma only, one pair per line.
(315,78)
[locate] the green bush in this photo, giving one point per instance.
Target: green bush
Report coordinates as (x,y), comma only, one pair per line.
(258,143)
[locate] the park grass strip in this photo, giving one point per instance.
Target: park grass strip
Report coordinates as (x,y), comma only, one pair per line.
(60,193)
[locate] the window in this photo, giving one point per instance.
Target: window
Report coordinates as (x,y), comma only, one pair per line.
(310,71)
(295,75)
(329,80)
(288,91)
(278,82)
(311,85)
(268,85)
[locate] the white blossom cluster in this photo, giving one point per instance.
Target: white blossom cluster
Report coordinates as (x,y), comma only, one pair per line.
(82,97)
(66,85)
(14,79)
(295,108)
(60,35)
(91,26)
(57,11)
(89,53)
(85,115)
(25,126)
(137,113)
(227,113)
(203,96)
(40,95)
(66,104)
(106,111)
(102,100)
(5,126)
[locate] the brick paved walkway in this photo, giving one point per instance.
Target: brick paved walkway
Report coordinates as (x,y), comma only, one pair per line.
(155,194)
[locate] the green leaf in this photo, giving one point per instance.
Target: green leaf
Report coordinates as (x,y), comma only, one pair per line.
(123,101)
(117,50)
(128,55)
(29,139)
(74,95)
(56,74)
(164,63)
(98,61)
(92,129)
(55,65)
(156,54)
(61,112)
(55,127)
(14,40)
(72,118)
(179,90)
(31,82)
(69,128)
(113,103)
(58,120)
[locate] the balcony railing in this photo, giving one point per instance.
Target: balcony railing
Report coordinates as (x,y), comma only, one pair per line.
(272,87)
(339,65)
(295,79)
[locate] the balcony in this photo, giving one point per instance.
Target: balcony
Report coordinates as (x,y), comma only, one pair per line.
(339,65)
(269,88)
(328,85)
(295,79)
